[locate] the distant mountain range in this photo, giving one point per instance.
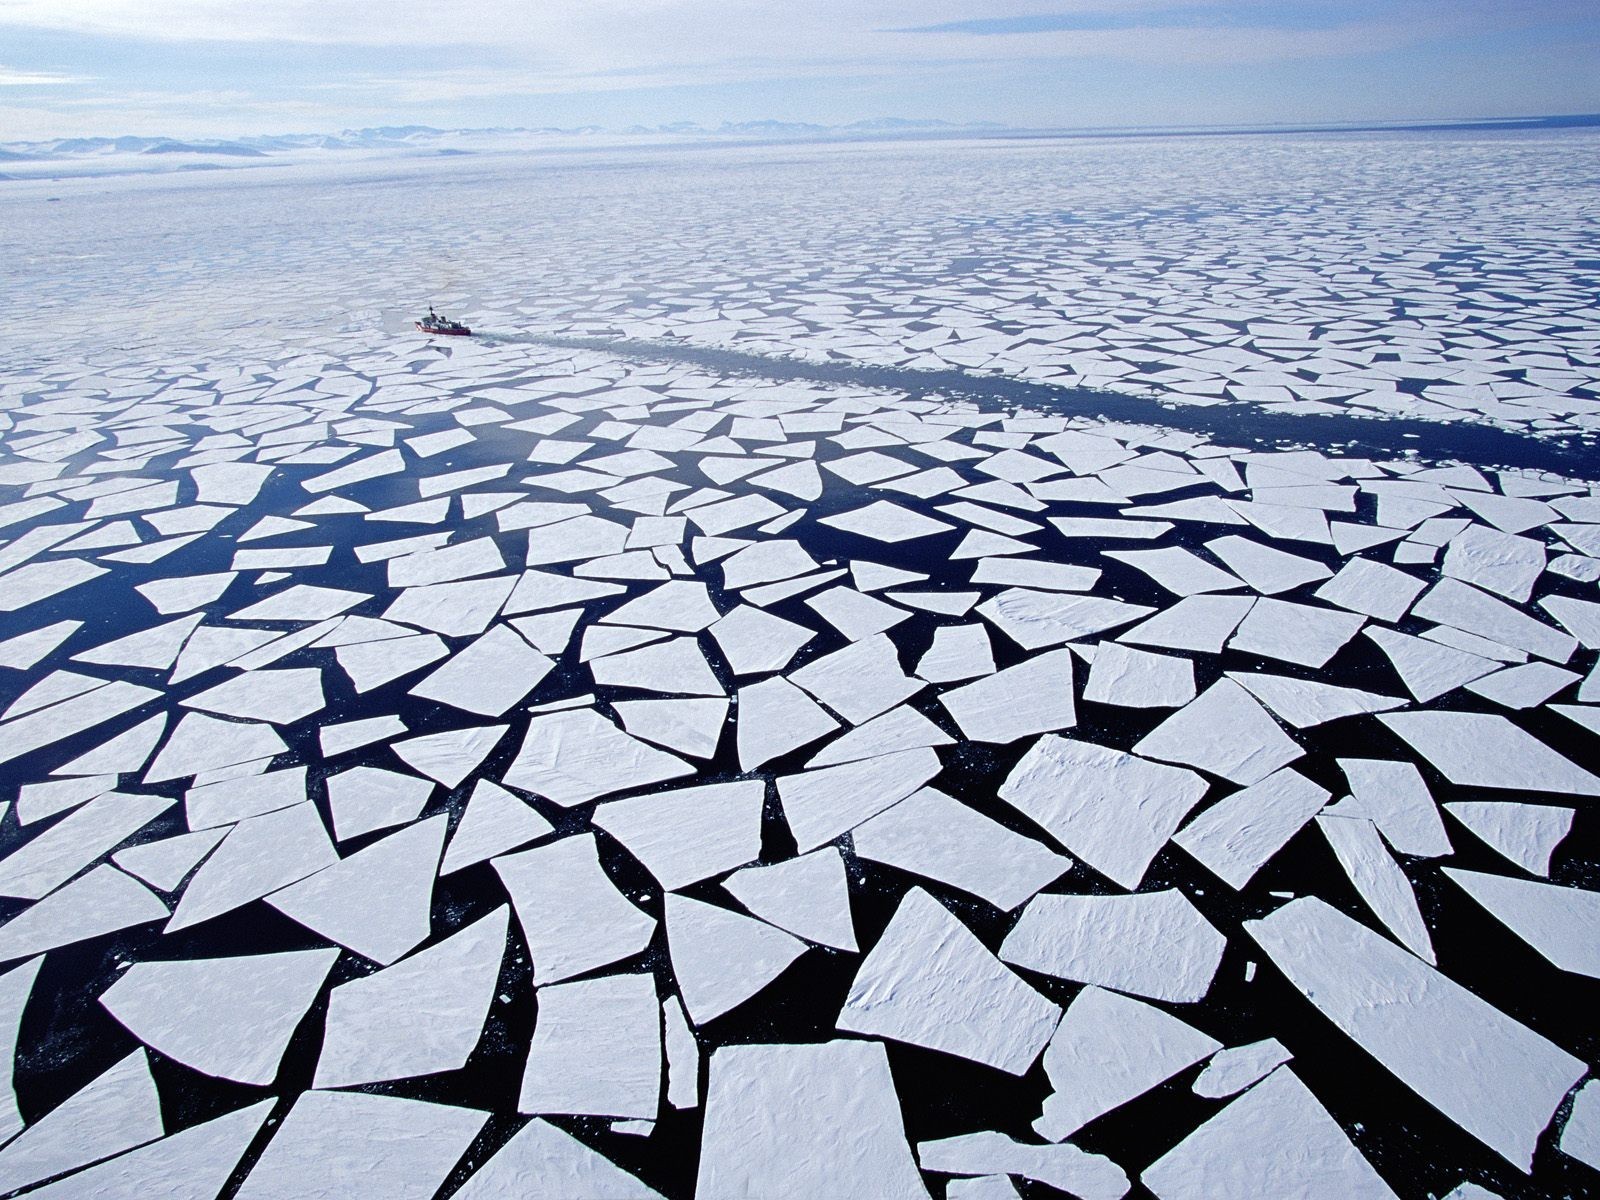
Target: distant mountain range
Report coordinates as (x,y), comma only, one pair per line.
(425,138)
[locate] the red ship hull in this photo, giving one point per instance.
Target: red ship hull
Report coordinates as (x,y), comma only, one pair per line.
(458,331)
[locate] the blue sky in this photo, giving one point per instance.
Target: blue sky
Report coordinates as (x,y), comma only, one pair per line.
(221,67)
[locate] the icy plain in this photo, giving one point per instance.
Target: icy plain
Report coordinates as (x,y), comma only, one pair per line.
(765,719)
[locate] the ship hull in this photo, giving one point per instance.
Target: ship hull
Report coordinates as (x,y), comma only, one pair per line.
(461,332)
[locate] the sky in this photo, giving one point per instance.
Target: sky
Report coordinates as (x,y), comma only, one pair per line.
(219,68)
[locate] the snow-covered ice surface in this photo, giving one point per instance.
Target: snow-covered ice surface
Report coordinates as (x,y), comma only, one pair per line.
(837,734)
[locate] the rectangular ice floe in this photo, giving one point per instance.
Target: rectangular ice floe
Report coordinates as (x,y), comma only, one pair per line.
(1487,750)
(596,1049)
(1494,1077)
(572,916)
(1235,837)
(1275,1140)
(1034,696)
(574,757)
(818,1119)
(820,805)
(1225,732)
(934,836)
(1108,1050)
(929,981)
(1155,944)
(1112,809)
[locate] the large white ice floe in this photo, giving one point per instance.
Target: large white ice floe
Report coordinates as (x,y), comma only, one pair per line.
(1496,1078)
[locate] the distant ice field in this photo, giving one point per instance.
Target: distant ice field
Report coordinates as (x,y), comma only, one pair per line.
(980,670)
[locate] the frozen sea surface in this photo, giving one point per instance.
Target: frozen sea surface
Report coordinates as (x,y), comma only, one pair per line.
(1014,668)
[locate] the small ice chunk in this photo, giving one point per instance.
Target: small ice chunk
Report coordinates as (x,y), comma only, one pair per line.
(1155,944)
(930,982)
(1486,750)
(1232,1070)
(809,896)
(394,1146)
(1108,1050)
(931,835)
(1275,1140)
(1234,838)
(419,1017)
(227,1017)
(1112,809)
(721,958)
(1225,732)
(1497,1079)
(572,916)
(814,1119)
(687,834)
(1561,923)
